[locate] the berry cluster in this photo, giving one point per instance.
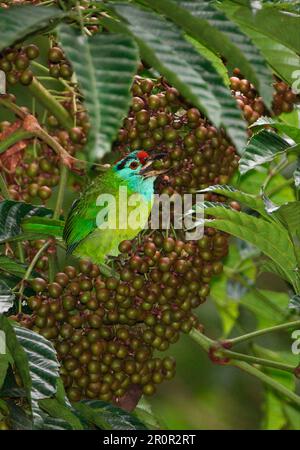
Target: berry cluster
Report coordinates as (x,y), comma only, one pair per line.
(58,64)
(15,62)
(252,104)
(106,329)
(284,98)
(31,167)
(198,154)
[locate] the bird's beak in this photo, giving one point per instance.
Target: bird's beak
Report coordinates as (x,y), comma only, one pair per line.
(148,171)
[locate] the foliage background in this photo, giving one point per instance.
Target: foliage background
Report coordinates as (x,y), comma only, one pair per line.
(204,395)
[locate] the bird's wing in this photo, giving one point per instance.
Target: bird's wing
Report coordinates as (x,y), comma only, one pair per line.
(81,220)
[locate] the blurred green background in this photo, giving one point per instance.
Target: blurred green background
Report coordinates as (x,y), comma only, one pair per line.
(204,395)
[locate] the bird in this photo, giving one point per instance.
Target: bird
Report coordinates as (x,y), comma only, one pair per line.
(86,233)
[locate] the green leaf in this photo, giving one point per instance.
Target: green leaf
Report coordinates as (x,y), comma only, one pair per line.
(271,238)
(271,267)
(289,130)
(262,147)
(275,417)
(57,410)
(293,416)
(163,46)
(19,418)
(212,28)
(288,214)
(237,262)
(108,417)
(6,297)
(104,65)
(14,267)
(53,423)
(18,22)
(251,201)
(43,225)
(144,413)
(11,215)
(4,363)
(268,21)
(278,189)
(213,58)
(269,307)
(283,60)
(42,368)
(17,352)
(230,114)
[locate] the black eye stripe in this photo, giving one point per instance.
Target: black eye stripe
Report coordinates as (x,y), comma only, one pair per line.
(122,163)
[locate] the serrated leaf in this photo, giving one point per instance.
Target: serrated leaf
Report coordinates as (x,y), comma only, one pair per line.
(18,22)
(104,65)
(160,43)
(108,417)
(271,238)
(11,215)
(248,200)
(208,24)
(262,147)
(289,130)
(43,225)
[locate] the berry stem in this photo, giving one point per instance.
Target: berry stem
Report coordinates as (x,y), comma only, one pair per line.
(12,107)
(61,191)
(29,270)
(49,102)
(3,187)
(31,124)
(13,138)
(254,334)
(256,360)
(206,344)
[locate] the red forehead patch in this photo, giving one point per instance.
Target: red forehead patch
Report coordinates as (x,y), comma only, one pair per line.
(143,156)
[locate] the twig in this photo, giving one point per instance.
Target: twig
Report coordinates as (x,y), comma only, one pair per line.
(207,344)
(263,331)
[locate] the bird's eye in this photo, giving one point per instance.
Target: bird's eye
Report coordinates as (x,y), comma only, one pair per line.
(133,165)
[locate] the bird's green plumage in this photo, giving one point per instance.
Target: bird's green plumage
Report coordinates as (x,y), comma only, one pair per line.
(82,233)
